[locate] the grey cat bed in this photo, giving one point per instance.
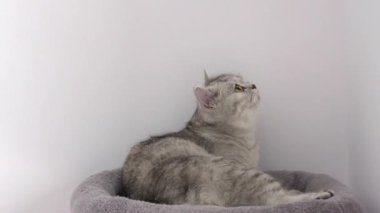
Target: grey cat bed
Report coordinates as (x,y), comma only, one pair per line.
(100,194)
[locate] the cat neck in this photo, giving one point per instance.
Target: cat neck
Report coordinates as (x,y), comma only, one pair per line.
(242,131)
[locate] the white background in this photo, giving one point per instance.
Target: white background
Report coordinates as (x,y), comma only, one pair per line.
(82,81)
(364,63)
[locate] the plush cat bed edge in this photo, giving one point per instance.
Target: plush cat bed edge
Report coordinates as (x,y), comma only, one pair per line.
(99,194)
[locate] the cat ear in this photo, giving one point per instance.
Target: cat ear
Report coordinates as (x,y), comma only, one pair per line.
(206,77)
(206,97)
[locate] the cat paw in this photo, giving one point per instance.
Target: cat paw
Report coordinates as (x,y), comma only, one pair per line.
(326,194)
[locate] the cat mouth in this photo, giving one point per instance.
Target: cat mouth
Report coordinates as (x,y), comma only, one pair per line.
(254,96)
(252,91)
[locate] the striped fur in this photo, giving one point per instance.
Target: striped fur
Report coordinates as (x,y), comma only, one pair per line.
(213,160)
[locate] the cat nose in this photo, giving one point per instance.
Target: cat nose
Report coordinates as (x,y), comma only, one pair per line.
(253,86)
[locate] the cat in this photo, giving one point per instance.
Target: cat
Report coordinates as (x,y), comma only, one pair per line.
(214,159)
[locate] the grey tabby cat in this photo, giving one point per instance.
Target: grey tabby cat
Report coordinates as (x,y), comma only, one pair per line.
(214,159)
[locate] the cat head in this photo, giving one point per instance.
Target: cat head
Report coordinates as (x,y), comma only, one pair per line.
(227,99)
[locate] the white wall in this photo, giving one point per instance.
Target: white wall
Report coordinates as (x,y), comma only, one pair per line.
(81,81)
(364,65)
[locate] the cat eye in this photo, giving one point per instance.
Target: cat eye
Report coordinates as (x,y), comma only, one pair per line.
(239,88)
